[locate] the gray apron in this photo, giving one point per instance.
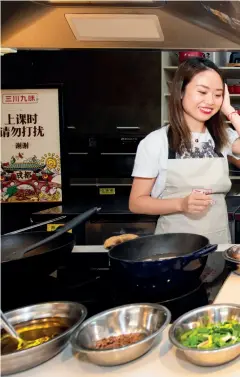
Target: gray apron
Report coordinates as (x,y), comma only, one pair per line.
(184,175)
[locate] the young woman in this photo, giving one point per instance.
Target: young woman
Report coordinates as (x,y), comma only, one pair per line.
(181,170)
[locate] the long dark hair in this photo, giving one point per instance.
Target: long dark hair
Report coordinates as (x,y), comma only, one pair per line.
(179,133)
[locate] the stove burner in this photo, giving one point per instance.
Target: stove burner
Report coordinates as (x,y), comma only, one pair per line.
(178,301)
(98,291)
(182,304)
(151,290)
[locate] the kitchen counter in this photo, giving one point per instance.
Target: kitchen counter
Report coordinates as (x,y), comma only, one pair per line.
(162,360)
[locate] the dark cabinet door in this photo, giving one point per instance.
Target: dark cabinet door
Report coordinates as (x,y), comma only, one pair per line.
(111,91)
(132,120)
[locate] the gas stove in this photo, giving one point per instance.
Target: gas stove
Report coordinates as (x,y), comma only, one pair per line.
(97,289)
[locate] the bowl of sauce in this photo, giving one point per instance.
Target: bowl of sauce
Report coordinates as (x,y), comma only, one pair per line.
(45,330)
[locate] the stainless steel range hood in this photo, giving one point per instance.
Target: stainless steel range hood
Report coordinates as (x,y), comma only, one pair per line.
(58,24)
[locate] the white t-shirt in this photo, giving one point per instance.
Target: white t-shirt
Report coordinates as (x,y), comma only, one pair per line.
(152,155)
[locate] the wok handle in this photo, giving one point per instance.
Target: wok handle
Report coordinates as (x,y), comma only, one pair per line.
(201,253)
(69,225)
(78,220)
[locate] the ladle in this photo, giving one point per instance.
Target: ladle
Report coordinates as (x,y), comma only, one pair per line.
(10,329)
(21,343)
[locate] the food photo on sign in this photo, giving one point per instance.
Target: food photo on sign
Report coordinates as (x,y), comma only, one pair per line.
(30,146)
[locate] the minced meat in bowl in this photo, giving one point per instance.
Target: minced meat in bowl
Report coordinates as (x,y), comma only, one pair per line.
(121,334)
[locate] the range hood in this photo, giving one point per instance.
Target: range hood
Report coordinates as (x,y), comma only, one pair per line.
(69,24)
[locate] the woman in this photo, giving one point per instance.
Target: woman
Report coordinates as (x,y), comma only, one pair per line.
(185,163)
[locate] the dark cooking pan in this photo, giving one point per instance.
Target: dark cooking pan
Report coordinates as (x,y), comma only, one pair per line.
(188,256)
(38,253)
(41,261)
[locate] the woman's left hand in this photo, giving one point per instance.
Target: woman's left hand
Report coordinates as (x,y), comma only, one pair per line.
(226,108)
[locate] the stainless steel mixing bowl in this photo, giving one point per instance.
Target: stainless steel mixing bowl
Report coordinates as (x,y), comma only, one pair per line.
(194,318)
(147,319)
(19,361)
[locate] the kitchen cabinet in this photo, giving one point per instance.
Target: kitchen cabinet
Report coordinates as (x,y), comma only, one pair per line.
(105,91)
(105,119)
(118,92)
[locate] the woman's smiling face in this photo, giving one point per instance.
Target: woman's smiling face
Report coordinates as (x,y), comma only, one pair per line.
(203,96)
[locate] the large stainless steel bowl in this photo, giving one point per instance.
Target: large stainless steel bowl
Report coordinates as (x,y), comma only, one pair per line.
(19,361)
(194,318)
(147,319)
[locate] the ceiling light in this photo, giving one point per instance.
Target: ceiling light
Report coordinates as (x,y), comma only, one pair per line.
(6,50)
(115,27)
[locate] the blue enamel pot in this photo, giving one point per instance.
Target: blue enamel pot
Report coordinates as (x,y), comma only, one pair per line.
(182,258)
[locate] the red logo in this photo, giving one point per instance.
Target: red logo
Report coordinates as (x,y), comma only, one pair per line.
(26,98)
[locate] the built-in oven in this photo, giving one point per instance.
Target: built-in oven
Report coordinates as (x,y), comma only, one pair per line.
(92,158)
(117,155)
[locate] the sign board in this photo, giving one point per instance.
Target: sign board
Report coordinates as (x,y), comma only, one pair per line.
(53,227)
(107,191)
(30,146)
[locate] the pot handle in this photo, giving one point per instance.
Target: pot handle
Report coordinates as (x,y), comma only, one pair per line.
(69,225)
(201,253)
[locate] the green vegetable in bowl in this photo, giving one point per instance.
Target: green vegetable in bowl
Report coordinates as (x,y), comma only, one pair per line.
(212,336)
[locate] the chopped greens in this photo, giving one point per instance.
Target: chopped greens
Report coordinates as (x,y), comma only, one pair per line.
(212,335)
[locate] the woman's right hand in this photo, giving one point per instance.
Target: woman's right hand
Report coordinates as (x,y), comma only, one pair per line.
(195,203)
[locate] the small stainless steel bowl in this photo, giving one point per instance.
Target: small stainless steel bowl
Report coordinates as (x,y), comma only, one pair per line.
(19,361)
(194,318)
(147,319)
(232,257)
